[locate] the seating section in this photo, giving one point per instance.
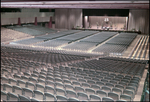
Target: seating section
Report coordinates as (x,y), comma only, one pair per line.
(87,43)
(68,66)
(52,43)
(99,38)
(120,66)
(9,35)
(83,81)
(58,34)
(82,46)
(42,57)
(77,36)
(117,44)
(29,41)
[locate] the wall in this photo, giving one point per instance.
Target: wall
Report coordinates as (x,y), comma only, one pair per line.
(139,19)
(68,18)
(26,16)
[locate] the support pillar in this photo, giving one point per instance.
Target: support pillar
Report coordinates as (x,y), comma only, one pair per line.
(50,23)
(19,21)
(35,23)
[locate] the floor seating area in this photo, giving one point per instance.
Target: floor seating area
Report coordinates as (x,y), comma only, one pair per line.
(67,66)
(23,80)
(42,57)
(118,44)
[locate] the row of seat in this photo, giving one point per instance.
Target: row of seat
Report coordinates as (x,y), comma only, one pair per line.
(117,45)
(119,66)
(39,56)
(50,97)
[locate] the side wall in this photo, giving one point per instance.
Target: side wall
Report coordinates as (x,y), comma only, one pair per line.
(139,20)
(68,18)
(26,16)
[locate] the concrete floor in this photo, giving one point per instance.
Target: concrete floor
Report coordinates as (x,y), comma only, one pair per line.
(141,86)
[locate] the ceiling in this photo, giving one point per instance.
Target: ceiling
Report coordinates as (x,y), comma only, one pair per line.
(91,4)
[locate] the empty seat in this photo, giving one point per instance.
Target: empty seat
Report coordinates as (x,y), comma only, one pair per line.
(24,78)
(38,95)
(109,85)
(75,83)
(95,79)
(90,82)
(60,91)
(59,85)
(105,99)
(101,93)
(50,83)
(49,97)
(73,99)
(95,87)
(81,80)
(113,82)
(61,98)
(79,89)
(33,80)
(3,95)
(99,83)
(42,82)
(125,97)
(117,90)
(58,80)
(104,80)
(119,86)
(131,88)
(17,77)
(67,81)
(85,85)
(40,87)
(69,87)
(94,98)
(35,76)
(21,83)
(106,89)
(82,96)
(15,70)
(27,92)
(12,81)
(12,97)
(30,85)
(34,100)
(129,93)
(89,91)
(70,93)
(49,89)
(23,98)
(114,96)
(8,87)
(17,90)
(4,80)
(35,72)
(49,78)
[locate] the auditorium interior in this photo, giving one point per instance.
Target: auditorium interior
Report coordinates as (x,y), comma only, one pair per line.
(90,50)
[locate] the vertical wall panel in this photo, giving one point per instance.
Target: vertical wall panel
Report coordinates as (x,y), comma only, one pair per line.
(68,18)
(139,20)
